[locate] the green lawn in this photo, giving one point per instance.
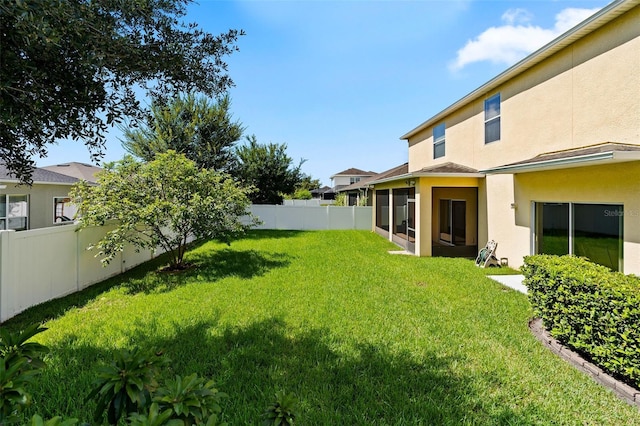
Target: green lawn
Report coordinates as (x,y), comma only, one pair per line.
(358,335)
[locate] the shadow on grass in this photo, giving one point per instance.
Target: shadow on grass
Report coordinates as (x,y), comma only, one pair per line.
(268,234)
(208,266)
(246,264)
(336,382)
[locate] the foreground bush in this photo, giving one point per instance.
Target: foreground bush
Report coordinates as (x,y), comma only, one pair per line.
(589,308)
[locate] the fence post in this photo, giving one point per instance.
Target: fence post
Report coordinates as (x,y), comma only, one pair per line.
(353,217)
(5,269)
(78,255)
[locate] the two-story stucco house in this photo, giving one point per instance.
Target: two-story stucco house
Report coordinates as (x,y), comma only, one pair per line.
(544,158)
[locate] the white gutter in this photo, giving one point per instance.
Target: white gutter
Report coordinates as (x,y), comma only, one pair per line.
(427,175)
(559,163)
(17,182)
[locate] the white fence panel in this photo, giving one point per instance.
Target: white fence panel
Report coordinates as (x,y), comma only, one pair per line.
(36,267)
(301,203)
(90,269)
(312,217)
(316,219)
(47,263)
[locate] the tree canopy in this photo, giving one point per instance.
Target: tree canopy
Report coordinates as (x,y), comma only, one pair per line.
(161,203)
(268,168)
(200,129)
(70,69)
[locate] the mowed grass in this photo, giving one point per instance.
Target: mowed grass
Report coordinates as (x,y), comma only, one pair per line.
(360,336)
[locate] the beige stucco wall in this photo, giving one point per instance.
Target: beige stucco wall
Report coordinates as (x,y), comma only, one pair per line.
(511,227)
(40,201)
(587,93)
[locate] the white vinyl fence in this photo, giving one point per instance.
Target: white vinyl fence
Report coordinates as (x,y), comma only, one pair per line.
(313,217)
(47,263)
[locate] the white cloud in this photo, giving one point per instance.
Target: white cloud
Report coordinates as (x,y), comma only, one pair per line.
(519,16)
(511,42)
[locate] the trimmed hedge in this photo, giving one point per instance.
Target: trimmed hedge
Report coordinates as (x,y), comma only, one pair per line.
(589,308)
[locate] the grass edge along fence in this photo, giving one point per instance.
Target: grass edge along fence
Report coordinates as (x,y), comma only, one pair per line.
(590,308)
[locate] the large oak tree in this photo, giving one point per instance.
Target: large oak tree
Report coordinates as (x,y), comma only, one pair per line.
(70,69)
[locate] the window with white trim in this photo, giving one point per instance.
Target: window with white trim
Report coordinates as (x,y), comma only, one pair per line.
(492,119)
(14,212)
(354,179)
(438,141)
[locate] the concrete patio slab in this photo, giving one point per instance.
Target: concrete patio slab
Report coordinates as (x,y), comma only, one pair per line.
(511,281)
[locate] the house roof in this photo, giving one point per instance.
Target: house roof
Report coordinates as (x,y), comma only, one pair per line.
(77,170)
(448,169)
(39,176)
(322,190)
(589,25)
(364,183)
(604,153)
(353,172)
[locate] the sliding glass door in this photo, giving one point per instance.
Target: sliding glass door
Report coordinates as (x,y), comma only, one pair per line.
(453,222)
(594,231)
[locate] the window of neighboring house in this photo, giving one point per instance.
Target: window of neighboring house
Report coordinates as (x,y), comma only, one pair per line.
(14,212)
(63,210)
(594,231)
(492,119)
(438,141)
(354,179)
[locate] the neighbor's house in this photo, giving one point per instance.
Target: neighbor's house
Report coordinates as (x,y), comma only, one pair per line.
(77,170)
(324,194)
(45,203)
(348,177)
(358,193)
(544,158)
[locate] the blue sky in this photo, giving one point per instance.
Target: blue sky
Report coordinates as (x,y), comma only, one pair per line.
(340,81)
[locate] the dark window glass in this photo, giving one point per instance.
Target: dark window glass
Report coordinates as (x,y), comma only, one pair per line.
(492,119)
(438,141)
(552,230)
(597,233)
(382,209)
(492,130)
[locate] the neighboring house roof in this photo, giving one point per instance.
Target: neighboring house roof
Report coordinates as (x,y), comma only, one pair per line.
(604,153)
(39,176)
(365,183)
(597,20)
(448,169)
(320,191)
(353,172)
(77,170)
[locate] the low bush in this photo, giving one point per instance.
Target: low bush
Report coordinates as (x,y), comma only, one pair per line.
(589,308)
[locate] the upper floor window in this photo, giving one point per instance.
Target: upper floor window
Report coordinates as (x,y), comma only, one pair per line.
(492,119)
(14,212)
(438,141)
(354,179)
